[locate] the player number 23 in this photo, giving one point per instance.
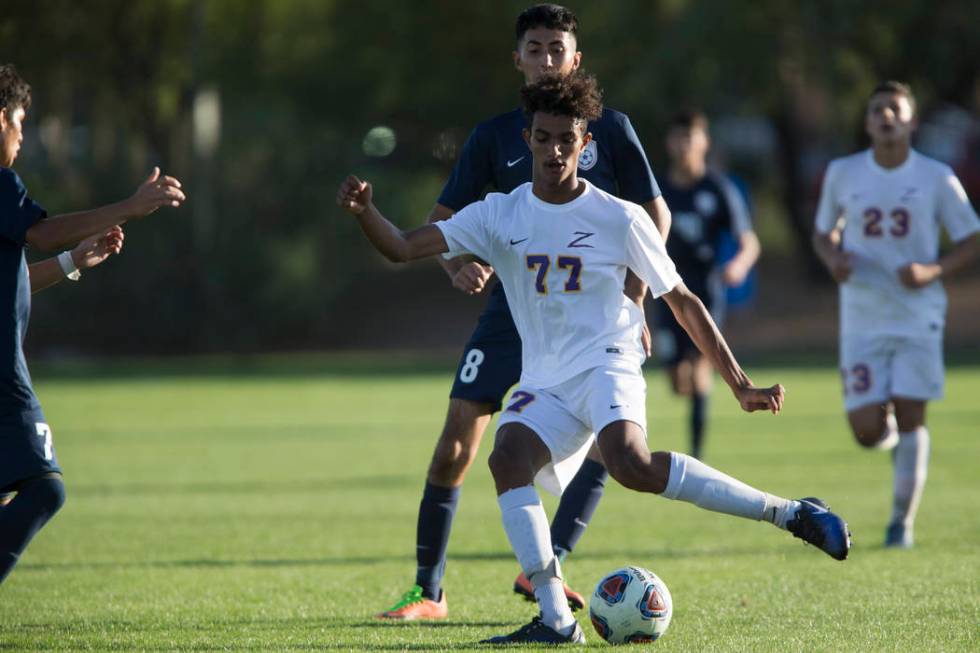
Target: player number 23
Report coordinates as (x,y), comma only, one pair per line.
(898,227)
(541,263)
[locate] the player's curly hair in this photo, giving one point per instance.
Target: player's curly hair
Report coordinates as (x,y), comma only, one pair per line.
(576,95)
(14,91)
(546,15)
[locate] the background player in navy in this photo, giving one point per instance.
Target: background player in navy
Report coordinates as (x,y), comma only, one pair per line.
(495,156)
(28,467)
(705,205)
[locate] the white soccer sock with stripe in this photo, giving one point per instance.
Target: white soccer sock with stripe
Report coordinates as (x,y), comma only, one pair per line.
(889,437)
(692,481)
(527,529)
(911,469)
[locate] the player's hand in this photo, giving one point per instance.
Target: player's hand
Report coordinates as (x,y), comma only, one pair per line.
(752,399)
(158,190)
(354,195)
(95,249)
(734,273)
(646,339)
(917,275)
(472,278)
(840,266)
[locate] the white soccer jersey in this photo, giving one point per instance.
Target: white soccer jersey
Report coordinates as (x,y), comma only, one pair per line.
(563,267)
(891,217)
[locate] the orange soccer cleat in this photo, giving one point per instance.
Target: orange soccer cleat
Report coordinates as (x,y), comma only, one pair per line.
(413,605)
(523,587)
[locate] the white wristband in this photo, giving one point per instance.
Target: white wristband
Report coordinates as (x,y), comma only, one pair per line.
(68,266)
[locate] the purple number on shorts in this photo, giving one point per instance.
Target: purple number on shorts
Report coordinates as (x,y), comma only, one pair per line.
(520,400)
(574,264)
(541,262)
(861,374)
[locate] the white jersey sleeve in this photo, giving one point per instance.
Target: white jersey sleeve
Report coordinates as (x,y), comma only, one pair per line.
(829,210)
(955,211)
(646,255)
(470,231)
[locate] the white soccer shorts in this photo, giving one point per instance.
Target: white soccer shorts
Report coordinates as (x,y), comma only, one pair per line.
(567,416)
(875,369)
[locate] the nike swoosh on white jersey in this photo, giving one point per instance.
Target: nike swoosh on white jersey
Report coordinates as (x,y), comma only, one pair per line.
(511,164)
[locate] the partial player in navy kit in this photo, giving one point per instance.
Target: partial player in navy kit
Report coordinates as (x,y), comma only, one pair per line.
(496,157)
(705,205)
(31,490)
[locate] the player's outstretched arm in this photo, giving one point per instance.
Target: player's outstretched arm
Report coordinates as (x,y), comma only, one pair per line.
(694,317)
(466,274)
(87,254)
(355,196)
(68,229)
(827,247)
(917,275)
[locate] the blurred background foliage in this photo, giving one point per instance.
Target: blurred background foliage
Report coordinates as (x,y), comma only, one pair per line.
(261,106)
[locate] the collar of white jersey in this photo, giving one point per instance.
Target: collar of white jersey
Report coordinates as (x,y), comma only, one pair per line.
(539,203)
(906,164)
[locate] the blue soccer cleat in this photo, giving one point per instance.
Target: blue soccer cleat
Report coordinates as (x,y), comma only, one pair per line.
(898,536)
(816,525)
(537,632)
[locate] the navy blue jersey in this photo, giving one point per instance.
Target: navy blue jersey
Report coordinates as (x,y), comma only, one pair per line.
(495,157)
(18,213)
(700,214)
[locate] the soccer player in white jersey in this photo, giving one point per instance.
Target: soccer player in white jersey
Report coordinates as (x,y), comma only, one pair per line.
(561,247)
(877,231)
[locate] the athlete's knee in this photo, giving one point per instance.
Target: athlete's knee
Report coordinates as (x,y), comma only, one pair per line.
(459,442)
(46,492)
(868,425)
(631,468)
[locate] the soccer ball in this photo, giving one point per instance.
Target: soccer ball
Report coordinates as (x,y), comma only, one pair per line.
(630,605)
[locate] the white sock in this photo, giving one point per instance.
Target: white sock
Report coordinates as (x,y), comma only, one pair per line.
(527,529)
(889,437)
(692,481)
(911,468)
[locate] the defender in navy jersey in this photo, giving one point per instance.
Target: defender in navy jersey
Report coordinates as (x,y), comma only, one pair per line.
(496,157)
(31,490)
(705,205)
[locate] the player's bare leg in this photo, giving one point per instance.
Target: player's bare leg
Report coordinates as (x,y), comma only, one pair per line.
(678,476)
(911,461)
(458,445)
(518,454)
(874,426)
(459,442)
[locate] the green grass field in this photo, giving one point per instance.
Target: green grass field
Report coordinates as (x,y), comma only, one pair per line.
(272,507)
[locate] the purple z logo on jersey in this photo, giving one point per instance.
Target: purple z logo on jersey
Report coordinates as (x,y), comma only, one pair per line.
(582,235)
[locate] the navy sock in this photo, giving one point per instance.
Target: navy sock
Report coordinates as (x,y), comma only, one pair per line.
(36,502)
(436,513)
(699,409)
(576,507)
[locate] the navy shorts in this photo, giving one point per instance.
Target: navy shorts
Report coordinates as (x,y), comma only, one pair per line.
(491,361)
(671,344)
(26,448)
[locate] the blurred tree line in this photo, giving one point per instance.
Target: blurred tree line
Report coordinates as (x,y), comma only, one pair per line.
(261,106)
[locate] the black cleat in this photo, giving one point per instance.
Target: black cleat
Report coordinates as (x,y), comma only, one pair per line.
(816,525)
(897,536)
(537,632)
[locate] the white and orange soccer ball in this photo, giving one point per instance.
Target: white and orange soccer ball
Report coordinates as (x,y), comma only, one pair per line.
(630,605)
